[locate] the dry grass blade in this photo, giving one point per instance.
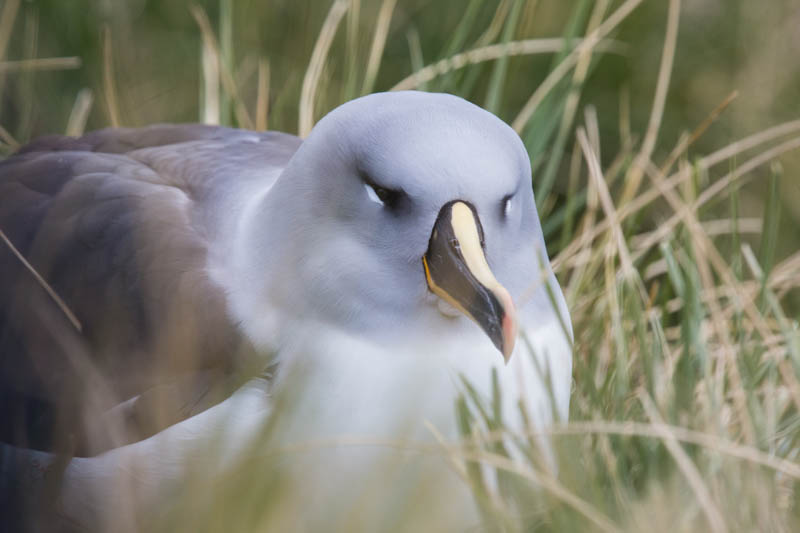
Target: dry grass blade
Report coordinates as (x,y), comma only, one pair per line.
(209,65)
(743,145)
(109,90)
(713,515)
(315,65)
(26,108)
(7,138)
(228,82)
(493,52)
(496,25)
(41,281)
(453,460)
(593,129)
(636,170)
(45,63)
(686,142)
(80,112)
(7,18)
(608,205)
(552,79)
(378,44)
(262,96)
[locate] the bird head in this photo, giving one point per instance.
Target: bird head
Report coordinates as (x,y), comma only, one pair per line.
(402,203)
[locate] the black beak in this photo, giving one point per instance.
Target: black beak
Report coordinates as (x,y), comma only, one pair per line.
(456,270)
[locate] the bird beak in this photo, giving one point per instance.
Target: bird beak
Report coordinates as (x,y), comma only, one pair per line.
(456,270)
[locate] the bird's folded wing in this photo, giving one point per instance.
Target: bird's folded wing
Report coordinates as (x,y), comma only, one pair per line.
(119,241)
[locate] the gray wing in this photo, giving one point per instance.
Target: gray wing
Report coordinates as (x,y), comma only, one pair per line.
(122,242)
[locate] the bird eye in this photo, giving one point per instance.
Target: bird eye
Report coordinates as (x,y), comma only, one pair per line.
(508,205)
(372,194)
(383,196)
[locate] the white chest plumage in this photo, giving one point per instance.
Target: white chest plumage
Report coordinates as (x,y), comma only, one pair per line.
(350,393)
(350,385)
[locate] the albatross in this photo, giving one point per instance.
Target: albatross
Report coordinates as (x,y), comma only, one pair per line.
(159,283)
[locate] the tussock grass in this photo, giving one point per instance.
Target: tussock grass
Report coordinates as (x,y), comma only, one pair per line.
(685,411)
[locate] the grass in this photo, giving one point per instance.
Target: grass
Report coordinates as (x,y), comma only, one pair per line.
(685,410)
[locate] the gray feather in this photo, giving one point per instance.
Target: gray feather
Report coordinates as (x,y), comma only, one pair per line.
(116,222)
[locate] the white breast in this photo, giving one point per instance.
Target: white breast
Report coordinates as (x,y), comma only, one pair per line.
(351,391)
(354,386)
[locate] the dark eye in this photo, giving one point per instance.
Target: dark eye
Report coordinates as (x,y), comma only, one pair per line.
(381,195)
(387,196)
(507,205)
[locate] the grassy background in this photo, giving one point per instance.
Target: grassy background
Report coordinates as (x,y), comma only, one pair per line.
(665,166)
(722,46)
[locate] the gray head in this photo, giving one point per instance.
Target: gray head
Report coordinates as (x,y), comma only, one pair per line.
(375,210)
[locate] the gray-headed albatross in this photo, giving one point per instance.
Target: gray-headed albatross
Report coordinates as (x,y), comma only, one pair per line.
(187,269)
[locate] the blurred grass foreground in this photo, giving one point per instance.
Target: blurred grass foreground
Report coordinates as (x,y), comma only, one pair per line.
(664,139)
